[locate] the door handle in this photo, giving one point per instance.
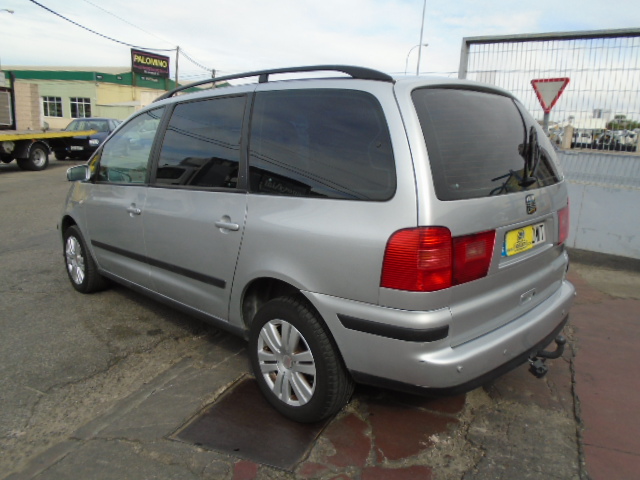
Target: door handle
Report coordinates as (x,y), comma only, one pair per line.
(133,210)
(227,224)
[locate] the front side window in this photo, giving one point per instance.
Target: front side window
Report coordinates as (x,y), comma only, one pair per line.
(201,146)
(80,107)
(321,143)
(482,144)
(125,157)
(52,106)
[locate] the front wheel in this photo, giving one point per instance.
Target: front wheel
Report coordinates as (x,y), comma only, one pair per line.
(296,362)
(81,268)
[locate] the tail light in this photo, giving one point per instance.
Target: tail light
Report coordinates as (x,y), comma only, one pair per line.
(563,224)
(428,259)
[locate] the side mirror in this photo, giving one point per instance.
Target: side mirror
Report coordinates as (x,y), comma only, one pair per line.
(79,173)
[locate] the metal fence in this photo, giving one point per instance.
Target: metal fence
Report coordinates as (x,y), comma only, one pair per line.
(600,107)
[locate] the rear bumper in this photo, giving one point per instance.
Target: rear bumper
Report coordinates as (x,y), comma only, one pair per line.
(413,365)
(515,362)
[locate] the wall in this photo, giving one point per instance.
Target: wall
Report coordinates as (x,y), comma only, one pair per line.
(118,101)
(604,196)
(27,114)
(65,90)
(112,95)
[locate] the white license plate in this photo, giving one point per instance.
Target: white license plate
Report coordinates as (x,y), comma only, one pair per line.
(76,147)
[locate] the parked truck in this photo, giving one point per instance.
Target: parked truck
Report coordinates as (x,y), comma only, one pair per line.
(31,149)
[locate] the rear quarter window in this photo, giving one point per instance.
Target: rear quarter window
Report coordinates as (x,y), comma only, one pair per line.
(477,143)
(322,143)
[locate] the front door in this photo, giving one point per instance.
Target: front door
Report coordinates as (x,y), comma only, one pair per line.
(115,206)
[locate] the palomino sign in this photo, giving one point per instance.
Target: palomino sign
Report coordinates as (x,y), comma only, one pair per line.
(149,63)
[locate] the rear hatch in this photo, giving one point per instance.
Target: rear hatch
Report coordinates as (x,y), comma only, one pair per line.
(493,185)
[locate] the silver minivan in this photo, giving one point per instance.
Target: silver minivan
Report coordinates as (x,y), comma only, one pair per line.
(404,233)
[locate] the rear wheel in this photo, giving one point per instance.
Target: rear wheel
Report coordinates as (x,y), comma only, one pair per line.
(81,268)
(296,362)
(38,158)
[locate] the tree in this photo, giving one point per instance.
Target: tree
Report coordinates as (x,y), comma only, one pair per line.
(620,122)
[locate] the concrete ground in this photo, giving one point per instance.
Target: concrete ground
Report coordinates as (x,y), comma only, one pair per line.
(98,386)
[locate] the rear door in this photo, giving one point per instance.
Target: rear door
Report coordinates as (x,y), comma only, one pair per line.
(195,211)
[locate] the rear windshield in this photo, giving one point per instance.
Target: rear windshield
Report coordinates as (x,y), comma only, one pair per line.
(482,144)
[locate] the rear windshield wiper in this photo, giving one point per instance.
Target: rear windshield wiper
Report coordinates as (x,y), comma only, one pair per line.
(507,184)
(531,153)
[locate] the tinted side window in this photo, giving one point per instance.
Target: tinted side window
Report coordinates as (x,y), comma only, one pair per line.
(125,157)
(201,147)
(477,143)
(321,143)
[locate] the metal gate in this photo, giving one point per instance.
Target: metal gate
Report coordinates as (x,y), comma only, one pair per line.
(600,107)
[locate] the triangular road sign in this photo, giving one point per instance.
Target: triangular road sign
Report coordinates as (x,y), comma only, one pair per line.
(549,90)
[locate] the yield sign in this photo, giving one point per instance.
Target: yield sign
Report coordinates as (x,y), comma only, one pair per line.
(548,91)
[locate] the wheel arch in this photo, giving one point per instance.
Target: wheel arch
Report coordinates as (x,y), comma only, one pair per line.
(23,148)
(41,143)
(261,290)
(66,222)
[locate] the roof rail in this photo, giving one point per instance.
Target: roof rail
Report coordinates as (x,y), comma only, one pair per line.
(355,72)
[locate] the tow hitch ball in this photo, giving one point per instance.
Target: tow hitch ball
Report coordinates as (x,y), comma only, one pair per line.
(536,361)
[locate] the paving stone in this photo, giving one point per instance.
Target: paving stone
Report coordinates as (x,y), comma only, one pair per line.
(113,460)
(560,382)
(523,442)
(400,432)
(440,404)
(605,464)
(446,405)
(349,437)
(245,470)
(407,473)
(586,294)
(311,470)
(521,386)
(606,382)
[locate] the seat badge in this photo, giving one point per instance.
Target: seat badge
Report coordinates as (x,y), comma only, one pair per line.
(531,204)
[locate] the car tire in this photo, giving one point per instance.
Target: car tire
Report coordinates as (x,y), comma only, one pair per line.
(296,363)
(80,266)
(60,155)
(38,158)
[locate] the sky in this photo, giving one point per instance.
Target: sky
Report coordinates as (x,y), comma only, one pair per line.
(233,36)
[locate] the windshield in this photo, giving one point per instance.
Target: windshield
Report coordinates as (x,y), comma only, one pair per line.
(78,125)
(482,144)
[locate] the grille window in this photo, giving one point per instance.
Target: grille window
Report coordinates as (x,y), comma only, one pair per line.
(80,107)
(52,106)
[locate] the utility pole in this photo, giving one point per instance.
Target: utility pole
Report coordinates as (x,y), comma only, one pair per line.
(177,57)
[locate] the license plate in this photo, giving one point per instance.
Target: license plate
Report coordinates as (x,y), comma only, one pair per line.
(76,147)
(523,239)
